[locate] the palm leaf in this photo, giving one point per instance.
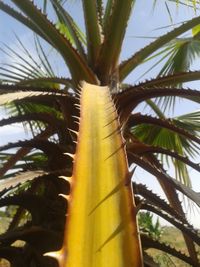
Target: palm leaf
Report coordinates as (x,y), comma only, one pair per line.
(176,141)
(112,44)
(195,196)
(76,63)
(67,25)
(93,33)
(130,64)
(19,179)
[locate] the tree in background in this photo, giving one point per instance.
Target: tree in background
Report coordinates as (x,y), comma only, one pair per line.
(73,177)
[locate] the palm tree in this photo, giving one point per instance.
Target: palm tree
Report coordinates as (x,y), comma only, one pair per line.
(87,135)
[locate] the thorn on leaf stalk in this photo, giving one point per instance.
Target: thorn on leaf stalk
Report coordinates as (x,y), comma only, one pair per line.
(78,93)
(79,89)
(73,131)
(77,122)
(70,155)
(129,177)
(111,121)
(77,98)
(109,102)
(76,117)
(59,255)
(66,178)
(67,197)
(110,107)
(118,130)
(132,172)
(77,106)
(113,111)
(53,254)
(138,207)
(117,150)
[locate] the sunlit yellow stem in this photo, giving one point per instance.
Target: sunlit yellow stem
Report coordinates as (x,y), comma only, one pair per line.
(101,229)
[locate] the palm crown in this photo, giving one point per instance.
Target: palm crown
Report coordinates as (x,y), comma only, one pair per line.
(93,126)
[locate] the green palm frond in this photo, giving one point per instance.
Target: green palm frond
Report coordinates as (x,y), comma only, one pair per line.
(183,54)
(68,27)
(19,179)
(163,137)
(26,66)
(75,61)
(130,64)
(188,3)
(189,122)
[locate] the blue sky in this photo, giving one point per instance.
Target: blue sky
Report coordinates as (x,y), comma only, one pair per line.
(144,22)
